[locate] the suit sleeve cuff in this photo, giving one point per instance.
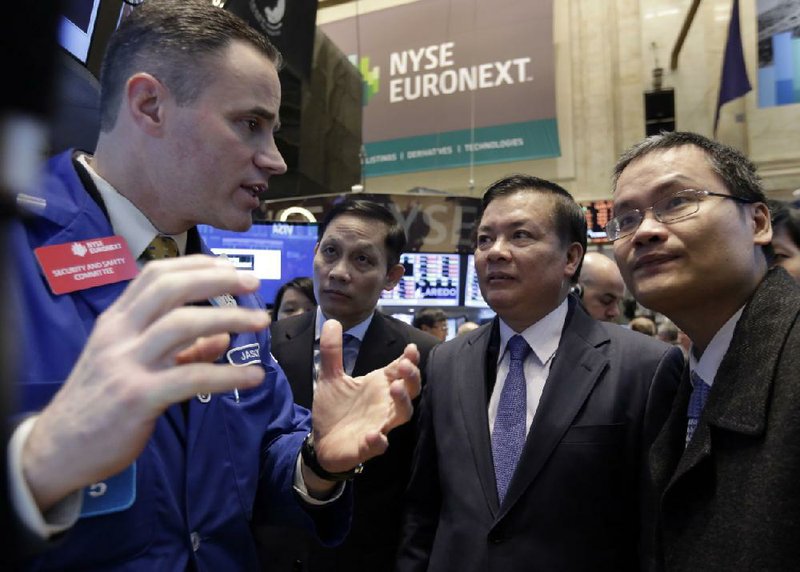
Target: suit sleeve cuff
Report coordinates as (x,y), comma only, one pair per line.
(61,516)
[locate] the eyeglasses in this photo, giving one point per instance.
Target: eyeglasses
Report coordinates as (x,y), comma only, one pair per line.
(670,209)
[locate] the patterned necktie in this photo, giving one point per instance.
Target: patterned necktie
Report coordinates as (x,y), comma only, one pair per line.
(350,347)
(509,433)
(697,402)
(160,247)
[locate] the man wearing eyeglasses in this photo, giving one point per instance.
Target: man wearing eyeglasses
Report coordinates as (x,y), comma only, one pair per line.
(692,238)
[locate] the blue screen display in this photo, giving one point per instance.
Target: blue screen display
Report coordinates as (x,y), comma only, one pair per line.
(276,252)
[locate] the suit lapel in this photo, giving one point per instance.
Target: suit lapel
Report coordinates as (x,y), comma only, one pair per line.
(293,346)
(471,372)
(379,347)
(739,400)
(575,370)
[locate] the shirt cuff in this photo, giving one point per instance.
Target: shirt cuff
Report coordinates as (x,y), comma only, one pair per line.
(300,487)
(62,516)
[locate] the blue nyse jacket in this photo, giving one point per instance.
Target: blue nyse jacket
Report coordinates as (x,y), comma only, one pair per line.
(197,478)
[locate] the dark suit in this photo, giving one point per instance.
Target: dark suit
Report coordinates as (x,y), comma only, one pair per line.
(573,503)
(378,492)
(731,499)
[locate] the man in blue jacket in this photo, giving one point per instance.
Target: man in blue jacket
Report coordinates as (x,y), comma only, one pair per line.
(159,415)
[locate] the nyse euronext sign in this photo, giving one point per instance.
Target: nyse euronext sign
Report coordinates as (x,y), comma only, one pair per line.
(448,86)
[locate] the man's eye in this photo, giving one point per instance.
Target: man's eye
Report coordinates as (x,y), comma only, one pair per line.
(628,220)
(676,202)
(252,125)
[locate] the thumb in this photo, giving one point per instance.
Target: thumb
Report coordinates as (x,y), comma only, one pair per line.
(330,351)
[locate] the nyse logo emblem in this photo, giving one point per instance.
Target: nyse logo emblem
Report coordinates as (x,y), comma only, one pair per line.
(78,249)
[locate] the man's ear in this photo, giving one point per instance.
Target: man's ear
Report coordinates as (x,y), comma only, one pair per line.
(574,257)
(762,224)
(145,97)
(393,276)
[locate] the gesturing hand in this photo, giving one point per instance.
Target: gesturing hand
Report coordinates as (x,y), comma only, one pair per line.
(146,352)
(352,416)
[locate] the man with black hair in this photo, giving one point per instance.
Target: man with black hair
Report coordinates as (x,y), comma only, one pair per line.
(160,416)
(534,428)
(357,257)
(691,234)
(432,321)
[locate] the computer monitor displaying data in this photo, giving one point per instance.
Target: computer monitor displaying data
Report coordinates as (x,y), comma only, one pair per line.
(472,292)
(276,252)
(430,279)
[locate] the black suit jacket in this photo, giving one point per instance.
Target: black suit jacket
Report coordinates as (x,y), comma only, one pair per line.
(574,501)
(730,500)
(378,492)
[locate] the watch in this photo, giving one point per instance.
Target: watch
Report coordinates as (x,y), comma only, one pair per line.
(309,456)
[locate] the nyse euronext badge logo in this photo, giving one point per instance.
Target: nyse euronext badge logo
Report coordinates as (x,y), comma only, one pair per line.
(370,78)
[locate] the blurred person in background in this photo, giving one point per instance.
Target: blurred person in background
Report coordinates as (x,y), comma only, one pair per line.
(432,321)
(466,328)
(786,236)
(643,325)
(667,332)
(293,298)
(601,287)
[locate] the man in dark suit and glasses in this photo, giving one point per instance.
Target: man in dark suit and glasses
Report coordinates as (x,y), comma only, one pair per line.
(534,428)
(692,237)
(356,258)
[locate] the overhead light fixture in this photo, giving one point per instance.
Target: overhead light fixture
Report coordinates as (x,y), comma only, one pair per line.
(307,214)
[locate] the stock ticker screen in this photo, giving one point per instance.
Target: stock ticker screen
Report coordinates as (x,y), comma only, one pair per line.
(430,279)
(597,214)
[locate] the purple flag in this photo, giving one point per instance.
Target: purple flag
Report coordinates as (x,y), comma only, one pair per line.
(734,81)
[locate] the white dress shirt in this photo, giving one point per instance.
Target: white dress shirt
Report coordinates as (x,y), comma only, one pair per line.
(543,337)
(708,364)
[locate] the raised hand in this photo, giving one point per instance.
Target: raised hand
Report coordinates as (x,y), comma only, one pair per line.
(146,352)
(352,416)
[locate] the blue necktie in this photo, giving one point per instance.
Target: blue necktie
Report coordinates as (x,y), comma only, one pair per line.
(350,347)
(697,402)
(509,433)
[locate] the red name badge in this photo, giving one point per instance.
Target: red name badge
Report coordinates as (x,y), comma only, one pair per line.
(83,264)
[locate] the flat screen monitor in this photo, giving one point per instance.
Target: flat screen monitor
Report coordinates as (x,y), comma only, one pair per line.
(430,279)
(76,26)
(472,292)
(276,252)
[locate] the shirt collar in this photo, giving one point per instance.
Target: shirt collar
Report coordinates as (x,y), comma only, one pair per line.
(127,220)
(543,336)
(356,331)
(709,362)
